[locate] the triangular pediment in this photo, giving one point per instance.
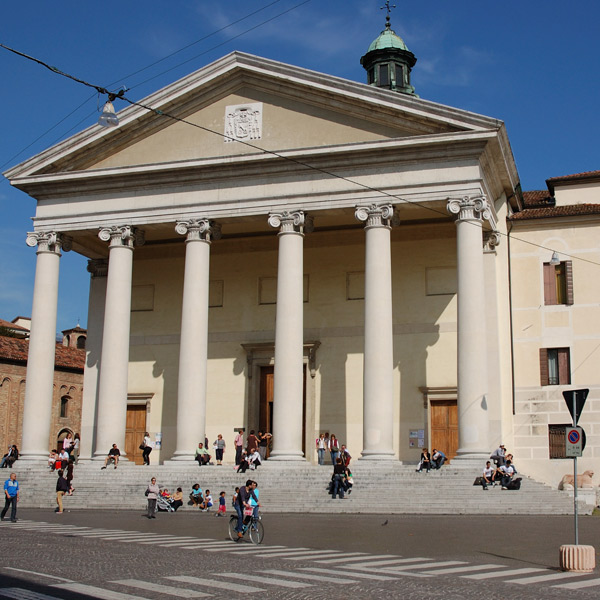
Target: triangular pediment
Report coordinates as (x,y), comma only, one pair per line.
(291,108)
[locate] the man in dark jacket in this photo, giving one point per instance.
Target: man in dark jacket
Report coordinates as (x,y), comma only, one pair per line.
(62,487)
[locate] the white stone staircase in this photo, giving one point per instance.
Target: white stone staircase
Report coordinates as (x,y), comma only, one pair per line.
(378,488)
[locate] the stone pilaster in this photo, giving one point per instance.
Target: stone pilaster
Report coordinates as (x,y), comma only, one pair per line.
(37,410)
(193,349)
(472,379)
(289,334)
(98,269)
(378,387)
(114,361)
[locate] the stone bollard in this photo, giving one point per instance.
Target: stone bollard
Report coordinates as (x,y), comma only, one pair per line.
(577,558)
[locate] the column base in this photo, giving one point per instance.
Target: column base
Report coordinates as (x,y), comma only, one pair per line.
(32,457)
(181,457)
(377,456)
(286,456)
(101,457)
(467,458)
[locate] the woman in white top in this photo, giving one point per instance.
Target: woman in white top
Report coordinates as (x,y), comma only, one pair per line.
(68,443)
(75,449)
(147,443)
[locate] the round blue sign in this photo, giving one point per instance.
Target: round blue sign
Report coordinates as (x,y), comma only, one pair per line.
(574,436)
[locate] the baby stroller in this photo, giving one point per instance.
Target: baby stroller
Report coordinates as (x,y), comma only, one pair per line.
(164,504)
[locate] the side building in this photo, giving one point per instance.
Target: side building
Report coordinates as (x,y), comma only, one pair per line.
(67,388)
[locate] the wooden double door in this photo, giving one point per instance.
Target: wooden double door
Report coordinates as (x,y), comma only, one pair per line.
(444,426)
(266,394)
(134,432)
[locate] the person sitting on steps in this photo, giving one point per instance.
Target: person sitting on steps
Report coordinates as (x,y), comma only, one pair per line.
(113,456)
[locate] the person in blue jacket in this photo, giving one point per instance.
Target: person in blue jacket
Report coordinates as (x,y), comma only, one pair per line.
(11,493)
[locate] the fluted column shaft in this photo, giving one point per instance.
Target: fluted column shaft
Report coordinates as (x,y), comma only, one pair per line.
(471,339)
(193,350)
(114,361)
(98,269)
(37,411)
(289,337)
(378,385)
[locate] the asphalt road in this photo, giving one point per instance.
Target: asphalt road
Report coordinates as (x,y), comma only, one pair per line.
(110,554)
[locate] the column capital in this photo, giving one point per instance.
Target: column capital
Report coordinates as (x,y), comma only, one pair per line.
(291,221)
(471,208)
(203,230)
(98,267)
(122,235)
(49,241)
(375,215)
(491,239)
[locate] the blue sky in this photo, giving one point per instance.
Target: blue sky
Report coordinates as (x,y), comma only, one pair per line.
(531,63)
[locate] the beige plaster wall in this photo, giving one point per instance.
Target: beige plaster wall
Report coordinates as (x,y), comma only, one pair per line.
(577,193)
(538,326)
(424,328)
(284,119)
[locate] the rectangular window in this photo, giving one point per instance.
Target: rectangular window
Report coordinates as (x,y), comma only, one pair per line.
(399,75)
(384,75)
(371,76)
(555,366)
(558,283)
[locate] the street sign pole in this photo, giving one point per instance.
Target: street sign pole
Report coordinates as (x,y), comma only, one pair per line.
(575,510)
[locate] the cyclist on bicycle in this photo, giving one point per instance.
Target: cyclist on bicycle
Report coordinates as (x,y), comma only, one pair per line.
(243,501)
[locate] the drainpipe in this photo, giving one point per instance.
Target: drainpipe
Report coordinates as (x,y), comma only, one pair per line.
(510,316)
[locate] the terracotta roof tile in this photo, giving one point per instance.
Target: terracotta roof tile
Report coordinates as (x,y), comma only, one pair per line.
(16,349)
(10,325)
(537,198)
(584,175)
(573,210)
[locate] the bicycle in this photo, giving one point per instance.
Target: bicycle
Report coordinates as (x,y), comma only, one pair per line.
(254,528)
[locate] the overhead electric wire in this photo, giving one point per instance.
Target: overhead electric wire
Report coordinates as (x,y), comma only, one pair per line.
(59,72)
(283,156)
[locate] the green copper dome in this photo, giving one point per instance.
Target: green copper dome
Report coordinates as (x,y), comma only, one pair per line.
(387,39)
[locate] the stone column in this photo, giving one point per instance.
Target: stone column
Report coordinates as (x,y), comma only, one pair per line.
(289,336)
(378,384)
(193,347)
(112,395)
(98,269)
(37,411)
(471,339)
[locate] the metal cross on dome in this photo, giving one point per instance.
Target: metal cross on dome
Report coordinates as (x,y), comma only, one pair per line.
(388,8)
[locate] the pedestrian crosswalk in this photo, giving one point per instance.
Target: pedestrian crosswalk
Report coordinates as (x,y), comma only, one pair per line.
(327,568)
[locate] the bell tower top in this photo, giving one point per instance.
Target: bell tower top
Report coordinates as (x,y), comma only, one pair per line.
(388,61)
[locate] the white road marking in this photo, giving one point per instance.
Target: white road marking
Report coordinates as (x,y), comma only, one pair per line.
(417,567)
(351,574)
(38,574)
(577,585)
(174,540)
(453,570)
(285,553)
(252,548)
(543,578)
(371,569)
(311,577)
(23,594)
(102,593)
(348,557)
(508,573)
(385,563)
(222,585)
(163,589)
(269,550)
(267,580)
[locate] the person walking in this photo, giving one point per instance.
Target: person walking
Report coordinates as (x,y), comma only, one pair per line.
(68,444)
(152,492)
(75,450)
(239,445)
(339,474)
(219,447)
(321,446)
(11,493)
(147,444)
(62,487)
(334,448)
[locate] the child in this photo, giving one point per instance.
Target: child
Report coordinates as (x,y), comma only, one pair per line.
(222,512)
(208,502)
(235,495)
(196,495)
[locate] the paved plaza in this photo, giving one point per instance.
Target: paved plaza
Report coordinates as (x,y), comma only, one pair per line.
(120,554)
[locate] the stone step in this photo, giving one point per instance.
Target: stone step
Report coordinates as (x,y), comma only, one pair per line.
(390,489)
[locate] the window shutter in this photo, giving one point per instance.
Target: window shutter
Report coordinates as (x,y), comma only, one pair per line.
(569,281)
(544,380)
(564,374)
(549,284)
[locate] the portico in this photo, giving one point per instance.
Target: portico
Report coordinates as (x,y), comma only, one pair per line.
(209,246)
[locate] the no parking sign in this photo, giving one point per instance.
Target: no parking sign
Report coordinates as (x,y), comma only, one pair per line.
(573,441)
